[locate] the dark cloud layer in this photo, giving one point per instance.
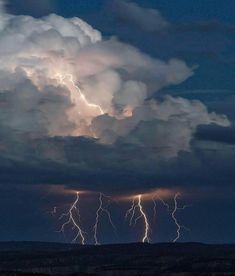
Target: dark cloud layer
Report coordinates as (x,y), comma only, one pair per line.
(137,142)
(122,168)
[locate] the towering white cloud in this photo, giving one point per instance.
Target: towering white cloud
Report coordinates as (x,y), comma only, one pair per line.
(58,77)
(166,126)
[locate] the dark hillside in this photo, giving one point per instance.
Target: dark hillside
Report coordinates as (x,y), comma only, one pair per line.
(119,259)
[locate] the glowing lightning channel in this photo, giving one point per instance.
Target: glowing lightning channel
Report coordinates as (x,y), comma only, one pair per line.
(72,220)
(173,215)
(164,203)
(101,209)
(82,96)
(131,212)
(137,205)
(145,238)
(154,208)
(154,200)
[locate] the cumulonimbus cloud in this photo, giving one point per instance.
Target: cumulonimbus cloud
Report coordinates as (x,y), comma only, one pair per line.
(59,77)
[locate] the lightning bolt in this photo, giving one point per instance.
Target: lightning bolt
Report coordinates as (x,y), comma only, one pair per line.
(131,212)
(101,209)
(137,206)
(82,96)
(145,238)
(71,220)
(176,208)
(154,200)
(154,208)
(164,203)
(173,215)
(134,214)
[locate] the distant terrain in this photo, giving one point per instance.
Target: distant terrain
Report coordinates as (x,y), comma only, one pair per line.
(35,258)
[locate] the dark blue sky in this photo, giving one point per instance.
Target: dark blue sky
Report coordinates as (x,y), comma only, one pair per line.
(202,33)
(182,10)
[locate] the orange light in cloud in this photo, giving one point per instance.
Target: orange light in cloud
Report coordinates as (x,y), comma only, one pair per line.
(148,196)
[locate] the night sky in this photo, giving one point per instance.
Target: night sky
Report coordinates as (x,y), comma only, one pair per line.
(128,99)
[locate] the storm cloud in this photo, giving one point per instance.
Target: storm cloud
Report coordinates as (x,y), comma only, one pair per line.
(78,109)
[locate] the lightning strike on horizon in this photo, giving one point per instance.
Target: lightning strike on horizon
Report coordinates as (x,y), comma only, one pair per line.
(145,238)
(101,209)
(137,205)
(173,215)
(72,220)
(82,96)
(134,214)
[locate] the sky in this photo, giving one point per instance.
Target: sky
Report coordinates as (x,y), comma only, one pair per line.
(117,103)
